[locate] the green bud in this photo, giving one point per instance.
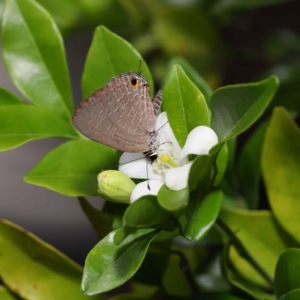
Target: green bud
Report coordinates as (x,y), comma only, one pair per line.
(115,186)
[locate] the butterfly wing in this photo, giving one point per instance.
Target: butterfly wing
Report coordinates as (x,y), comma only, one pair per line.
(119,115)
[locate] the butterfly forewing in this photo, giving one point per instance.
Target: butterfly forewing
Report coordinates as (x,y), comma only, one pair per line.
(120,115)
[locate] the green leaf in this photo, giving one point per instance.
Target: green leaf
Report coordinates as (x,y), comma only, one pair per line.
(101,221)
(172,200)
(264,240)
(249,170)
(66,14)
(236,107)
(72,15)
(34,269)
(244,287)
(146,212)
(287,285)
(71,169)
(23,123)
(8,98)
(110,56)
(184,103)
(281,170)
(110,264)
(230,182)
(294,295)
(194,76)
(5,294)
(34,56)
(222,163)
(200,170)
(175,278)
(200,215)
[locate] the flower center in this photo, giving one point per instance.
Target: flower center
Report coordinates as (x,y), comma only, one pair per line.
(163,162)
(166,159)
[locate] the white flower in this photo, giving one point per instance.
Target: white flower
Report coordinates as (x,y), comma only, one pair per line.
(172,165)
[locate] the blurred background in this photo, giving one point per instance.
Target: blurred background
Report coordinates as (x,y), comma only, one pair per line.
(226,41)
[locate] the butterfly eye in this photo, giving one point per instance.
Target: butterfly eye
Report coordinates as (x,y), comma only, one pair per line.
(134,82)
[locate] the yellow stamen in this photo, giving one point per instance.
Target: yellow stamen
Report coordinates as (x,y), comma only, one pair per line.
(166,158)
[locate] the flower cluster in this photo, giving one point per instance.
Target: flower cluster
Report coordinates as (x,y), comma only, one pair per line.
(172,166)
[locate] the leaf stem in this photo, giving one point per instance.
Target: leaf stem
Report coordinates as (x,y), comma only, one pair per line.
(243,252)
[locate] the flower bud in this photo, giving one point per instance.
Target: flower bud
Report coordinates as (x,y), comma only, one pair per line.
(115,186)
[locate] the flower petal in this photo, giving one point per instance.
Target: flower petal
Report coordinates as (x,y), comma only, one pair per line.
(141,189)
(199,141)
(177,178)
(135,165)
(166,139)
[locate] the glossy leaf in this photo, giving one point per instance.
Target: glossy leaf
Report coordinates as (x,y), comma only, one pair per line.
(34,269)
(230,182)
(194,76)
(200,215)
(172,200)
(222,163)
(281,170)
(175,281)
(264,240)
(110,264)
(287,285)
(101,220)
(23,123)
(72,168)
(235,108)
(109,56)
(146,212)
(184,104)
(34,56)
(246,289)
(66,14)
(5,294)
(72,15)
(249,169)
(200,170)
(8,98)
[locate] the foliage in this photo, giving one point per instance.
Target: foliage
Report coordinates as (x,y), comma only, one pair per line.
(164,246)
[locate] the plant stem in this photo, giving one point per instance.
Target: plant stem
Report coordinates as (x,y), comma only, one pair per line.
(243,251)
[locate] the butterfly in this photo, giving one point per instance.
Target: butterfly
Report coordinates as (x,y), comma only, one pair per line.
(121,115)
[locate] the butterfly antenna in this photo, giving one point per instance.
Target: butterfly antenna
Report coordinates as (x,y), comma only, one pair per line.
(116,166)
(171,143)
(131,161)
(161,126)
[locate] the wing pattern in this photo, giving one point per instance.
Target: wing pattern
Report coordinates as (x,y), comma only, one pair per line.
(119,115)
